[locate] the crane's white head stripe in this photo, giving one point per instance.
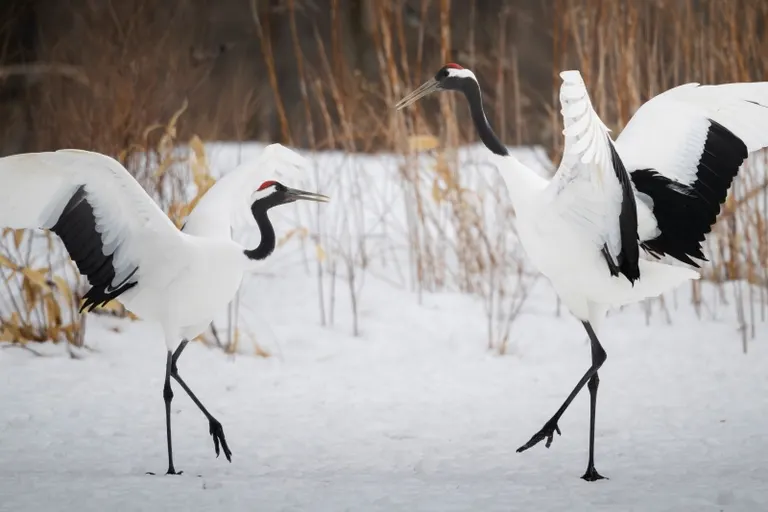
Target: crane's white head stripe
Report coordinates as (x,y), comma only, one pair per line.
(461,73)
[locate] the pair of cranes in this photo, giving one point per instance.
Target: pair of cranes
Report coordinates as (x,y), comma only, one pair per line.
(618,206)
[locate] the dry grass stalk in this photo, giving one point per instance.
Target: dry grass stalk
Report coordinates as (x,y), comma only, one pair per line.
(37,300)
(263,32)
(454,238)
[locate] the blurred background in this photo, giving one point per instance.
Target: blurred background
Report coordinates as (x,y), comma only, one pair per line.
(96,74)
(155,83)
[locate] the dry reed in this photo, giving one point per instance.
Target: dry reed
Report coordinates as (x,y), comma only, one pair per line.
(457,228)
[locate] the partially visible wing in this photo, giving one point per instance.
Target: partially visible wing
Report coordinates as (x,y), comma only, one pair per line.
(229,198)
(592,188)
(111,228)
(683,148)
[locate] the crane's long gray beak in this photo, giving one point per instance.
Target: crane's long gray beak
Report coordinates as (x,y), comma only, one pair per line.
(298,195)
(426,88)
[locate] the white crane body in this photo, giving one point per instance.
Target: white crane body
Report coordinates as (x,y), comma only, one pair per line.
(130,250)
(599,229)
(201,285)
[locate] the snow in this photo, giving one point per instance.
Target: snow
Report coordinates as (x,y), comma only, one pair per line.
(415,413)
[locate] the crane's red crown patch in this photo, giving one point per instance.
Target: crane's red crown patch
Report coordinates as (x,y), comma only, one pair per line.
(454,66)
(266,184)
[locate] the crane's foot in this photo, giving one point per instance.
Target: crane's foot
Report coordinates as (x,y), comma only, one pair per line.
(592,475)
(217,432)
(547,432)
(170,471)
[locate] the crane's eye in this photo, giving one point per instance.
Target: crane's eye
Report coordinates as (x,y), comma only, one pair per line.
(280,187)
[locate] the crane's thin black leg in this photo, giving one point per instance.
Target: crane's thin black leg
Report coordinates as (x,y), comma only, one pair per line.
(216,430)
(550,427)
(591,474)
(167,397)
(178,351)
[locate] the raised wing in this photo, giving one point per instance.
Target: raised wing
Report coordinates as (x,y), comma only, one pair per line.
(111,228)
(230,197)
(591,187)
(683,148)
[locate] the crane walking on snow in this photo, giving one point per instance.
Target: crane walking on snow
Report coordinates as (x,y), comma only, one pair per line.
(618,207)
(128,248)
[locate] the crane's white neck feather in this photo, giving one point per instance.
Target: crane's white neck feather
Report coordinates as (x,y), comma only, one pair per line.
(523,183)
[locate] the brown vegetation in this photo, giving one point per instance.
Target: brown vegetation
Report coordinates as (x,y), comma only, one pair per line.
(327,73)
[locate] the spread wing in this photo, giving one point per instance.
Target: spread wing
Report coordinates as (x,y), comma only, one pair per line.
(684,147)
(592,188)
(115,232)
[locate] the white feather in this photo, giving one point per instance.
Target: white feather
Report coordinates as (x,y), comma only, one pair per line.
(128,218)
(585,190)
(231,196)
(668,132)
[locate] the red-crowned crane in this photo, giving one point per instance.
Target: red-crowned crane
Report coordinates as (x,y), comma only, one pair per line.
(597,229)
(128,248)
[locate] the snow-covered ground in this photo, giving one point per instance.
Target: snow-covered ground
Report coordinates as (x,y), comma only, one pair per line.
(413,414)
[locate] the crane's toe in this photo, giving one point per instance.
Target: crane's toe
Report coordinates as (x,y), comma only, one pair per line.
(217,432)
(547,432)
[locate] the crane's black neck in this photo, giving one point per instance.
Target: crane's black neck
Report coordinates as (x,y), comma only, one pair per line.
(471,90)
(267,243)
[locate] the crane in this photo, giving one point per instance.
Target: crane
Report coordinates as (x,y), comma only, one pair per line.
(623,220)
(126,247)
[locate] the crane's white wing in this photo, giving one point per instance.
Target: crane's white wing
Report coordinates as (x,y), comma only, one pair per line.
(112,229)
(591,188)
(224,204)
(683,148)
